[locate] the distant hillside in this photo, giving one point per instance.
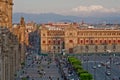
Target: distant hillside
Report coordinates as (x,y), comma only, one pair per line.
(51,17)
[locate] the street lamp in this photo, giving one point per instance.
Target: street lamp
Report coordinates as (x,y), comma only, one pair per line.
(54,52)
(63,48)
(96,47)
(110,58)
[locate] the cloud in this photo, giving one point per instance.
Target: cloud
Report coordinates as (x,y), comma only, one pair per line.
(95,8)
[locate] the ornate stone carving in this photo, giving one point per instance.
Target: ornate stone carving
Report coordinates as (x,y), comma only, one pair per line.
(3,17)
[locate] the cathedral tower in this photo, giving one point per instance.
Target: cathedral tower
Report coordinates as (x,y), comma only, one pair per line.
(22,38)
(6,13)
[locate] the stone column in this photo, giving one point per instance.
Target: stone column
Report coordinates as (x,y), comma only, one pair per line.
(22,53)
(3,68)
(17,57)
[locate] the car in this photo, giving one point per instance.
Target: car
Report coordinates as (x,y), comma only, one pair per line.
(108,62)
(94,67)
(108,66)
(117,63)
(99,65)
(108,73)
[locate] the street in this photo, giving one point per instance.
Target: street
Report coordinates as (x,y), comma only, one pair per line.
(39,68)
(102,67)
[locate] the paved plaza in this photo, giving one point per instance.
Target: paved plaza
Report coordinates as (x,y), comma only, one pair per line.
(41,68)
(102,67)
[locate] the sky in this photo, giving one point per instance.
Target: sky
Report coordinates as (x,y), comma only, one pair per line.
(68,7)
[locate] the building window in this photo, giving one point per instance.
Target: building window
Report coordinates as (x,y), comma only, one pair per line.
(81,41)
(114,41)
(58,47)
(109,41)
(91,41)
(118,41)
(43,34)
(43,42)
(71,41)
(70,34)
(86,41)
(49,41)
(95,33)
(105,41)
(58,41)
(96,41)
(113,33)
(100,41)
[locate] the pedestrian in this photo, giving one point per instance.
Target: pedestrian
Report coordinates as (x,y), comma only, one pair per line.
(50,78)
(58,78)
(44,72)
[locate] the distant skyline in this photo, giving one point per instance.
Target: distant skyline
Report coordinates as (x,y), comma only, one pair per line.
(68,7)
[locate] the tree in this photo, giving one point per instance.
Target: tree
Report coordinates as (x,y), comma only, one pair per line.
(24,78)
(76,66)
(81,71)
(86,76)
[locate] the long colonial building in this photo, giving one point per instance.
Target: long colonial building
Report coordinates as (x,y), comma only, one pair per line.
(72,38)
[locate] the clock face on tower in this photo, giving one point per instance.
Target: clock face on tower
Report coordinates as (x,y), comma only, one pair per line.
(3,17)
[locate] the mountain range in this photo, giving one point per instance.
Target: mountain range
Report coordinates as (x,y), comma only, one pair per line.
(52,17)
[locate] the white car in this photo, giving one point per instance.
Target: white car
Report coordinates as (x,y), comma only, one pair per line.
(108,73)
(99,65)
(94,67)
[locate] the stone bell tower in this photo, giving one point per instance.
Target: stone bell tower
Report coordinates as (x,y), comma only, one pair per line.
(22,38)
(6,13)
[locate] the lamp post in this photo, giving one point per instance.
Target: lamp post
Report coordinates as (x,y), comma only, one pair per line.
(110,58)
(63,47)
(96,47)
(53,52)
(55,46)
(105,72)
(86,47)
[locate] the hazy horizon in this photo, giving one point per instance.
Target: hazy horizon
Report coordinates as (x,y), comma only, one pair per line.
(68,7)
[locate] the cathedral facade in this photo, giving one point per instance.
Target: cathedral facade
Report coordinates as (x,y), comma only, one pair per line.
(11,54)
